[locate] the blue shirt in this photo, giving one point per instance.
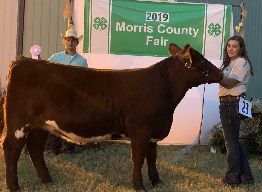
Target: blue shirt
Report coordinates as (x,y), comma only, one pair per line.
(64,58)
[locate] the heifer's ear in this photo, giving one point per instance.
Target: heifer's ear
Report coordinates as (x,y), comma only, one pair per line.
(185,54)
(173,49)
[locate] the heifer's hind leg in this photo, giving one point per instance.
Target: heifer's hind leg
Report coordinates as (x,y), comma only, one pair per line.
(151,162)
(139,150)
(35,143)
(12,149)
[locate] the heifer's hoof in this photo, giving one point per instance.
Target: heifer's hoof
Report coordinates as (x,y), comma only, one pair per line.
(142,190)
(49,183)
(15,190)
(157,183)
(19,190)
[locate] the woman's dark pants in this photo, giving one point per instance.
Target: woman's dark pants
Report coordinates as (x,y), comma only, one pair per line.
(238,170)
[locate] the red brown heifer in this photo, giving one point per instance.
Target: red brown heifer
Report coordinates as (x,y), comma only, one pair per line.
(82,104)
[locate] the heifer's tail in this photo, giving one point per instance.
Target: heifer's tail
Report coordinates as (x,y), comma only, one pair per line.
(2,127)
(2,138)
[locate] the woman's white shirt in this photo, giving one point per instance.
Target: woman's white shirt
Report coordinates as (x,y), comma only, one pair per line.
(238,69)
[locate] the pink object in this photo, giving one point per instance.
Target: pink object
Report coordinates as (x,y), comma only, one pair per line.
(35,51)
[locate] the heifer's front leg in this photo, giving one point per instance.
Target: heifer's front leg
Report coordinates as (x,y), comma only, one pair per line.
(138,153)
(12,150)
(151,162)
(35,143)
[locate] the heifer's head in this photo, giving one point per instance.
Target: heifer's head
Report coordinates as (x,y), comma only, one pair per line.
(199,69)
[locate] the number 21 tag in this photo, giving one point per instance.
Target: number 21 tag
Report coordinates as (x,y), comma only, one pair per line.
(245,107)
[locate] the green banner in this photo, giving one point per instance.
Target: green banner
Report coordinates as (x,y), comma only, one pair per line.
(146,28)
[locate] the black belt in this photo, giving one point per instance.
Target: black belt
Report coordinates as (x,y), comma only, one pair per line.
(229,98)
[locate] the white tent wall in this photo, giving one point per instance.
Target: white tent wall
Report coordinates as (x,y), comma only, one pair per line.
(187,116)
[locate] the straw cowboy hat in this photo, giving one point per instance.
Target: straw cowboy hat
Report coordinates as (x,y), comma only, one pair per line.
(72,33)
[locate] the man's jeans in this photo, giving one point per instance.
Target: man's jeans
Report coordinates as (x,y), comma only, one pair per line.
(55,143)
(238,170)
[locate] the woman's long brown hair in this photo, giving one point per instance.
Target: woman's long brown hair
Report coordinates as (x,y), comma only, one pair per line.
(243,53)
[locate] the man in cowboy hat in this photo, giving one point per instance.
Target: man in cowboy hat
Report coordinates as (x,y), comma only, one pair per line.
(70,57)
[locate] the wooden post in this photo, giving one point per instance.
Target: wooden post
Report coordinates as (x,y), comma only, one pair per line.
(243,15)
(20,27)
(68,12)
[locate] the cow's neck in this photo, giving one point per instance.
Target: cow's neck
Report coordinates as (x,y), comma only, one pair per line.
(174,81)
(163,73)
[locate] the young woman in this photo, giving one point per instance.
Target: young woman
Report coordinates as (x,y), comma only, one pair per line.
(237,70)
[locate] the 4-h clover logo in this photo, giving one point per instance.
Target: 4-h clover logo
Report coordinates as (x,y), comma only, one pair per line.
(100,23)
(214,29)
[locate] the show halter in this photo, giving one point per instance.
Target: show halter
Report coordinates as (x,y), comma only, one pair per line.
(205,73)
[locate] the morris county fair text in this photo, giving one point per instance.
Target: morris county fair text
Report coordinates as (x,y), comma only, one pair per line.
(161,28)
